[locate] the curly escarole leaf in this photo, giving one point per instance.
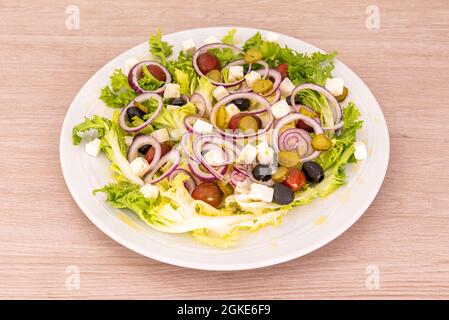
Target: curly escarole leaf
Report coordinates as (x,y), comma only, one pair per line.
(112,143)
(118,93)
(175,211)
(160,48)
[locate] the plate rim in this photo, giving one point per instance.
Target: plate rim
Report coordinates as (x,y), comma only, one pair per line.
(278,259)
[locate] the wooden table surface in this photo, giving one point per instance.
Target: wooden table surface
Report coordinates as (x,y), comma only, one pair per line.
(403,235)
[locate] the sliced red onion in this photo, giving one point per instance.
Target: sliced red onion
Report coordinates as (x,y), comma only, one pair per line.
(190,184)
(277,77)
(335,106)
(237,176)
(172,156)
(295,139)
(247,95)
(140,98)
(198,100)
(266,68)
(136,71)
(205,176)
(140,141)
(215,46)
(290,118)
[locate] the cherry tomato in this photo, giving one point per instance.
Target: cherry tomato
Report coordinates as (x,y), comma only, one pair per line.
(157,72)
(150,153)
(296,179)
(302,125)
(208,62)
(283,70)
(208,192)
(235,120)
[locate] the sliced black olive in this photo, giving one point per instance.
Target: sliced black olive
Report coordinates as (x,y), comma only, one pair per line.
(242,103)
(313,171)
(134,112)
(297,100)
(177,102)
(143,149)
(262,172)
(282,194)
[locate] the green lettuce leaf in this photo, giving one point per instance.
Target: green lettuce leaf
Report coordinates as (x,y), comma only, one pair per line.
(319,103)
(254,42)
(118,94)
(112,143)
(173,120)
(183,73)
(205,88)
(159,48)
(229,37)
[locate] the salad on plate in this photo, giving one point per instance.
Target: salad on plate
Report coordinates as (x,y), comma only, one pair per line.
(223,138)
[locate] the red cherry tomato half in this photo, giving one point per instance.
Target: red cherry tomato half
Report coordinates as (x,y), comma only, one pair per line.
(208,192)
(150,153)
(208,62)
(157,72)
(283,70)
(296,179)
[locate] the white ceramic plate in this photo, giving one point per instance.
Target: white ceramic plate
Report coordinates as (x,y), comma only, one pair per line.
(304,229)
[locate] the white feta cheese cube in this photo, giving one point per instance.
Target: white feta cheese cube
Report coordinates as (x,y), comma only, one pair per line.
(231,110)
(211,39)
(286,87)
(139,166)
(280,109)
(172,90)
(161,135)
(335,86)
(248,154)
(261,192)
(242,187)
(220,92)
(189,46)
(235,73)
(251,78)
(265,154)
(149,191)
(201,126)
(273,37)
(360,152)
(214,157)
(176,134)
(93,148)
(129,140)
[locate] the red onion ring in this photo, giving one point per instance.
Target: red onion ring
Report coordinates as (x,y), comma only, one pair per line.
(290,118)
(238,176)
(136,71)
(140,98)
(200,103)
(246,95)
(172,156)
(335,106)
(276,75)
(204,176)
(215,46)
(143,140)
(190,184)
(295,139)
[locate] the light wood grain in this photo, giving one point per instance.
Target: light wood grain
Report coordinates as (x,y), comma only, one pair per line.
(404,232)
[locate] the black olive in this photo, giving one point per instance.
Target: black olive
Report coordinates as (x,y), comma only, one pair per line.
(282,194)
(177,102)
(262,172)
(134,112)
(313,171)
(297,100)
(143,149)
(242,103)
